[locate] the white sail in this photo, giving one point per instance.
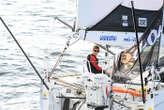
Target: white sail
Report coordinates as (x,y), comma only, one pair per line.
(121,39)
(110,21)
(144,4)
(91,12)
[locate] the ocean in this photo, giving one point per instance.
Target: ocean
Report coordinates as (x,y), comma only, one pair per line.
(43,39)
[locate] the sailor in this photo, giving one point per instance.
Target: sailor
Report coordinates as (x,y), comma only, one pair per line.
(92,62)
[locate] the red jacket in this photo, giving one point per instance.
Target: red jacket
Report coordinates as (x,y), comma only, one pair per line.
(93,64)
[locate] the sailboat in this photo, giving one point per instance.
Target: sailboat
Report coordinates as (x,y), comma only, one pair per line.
(135,83)
(136,80)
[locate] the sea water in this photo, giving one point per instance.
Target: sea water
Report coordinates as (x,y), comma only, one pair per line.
(43,39)
(32,23)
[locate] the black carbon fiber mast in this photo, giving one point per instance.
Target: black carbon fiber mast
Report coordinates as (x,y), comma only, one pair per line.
(139,55)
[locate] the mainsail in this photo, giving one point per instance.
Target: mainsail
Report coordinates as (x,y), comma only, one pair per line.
(101,20)
(149,49)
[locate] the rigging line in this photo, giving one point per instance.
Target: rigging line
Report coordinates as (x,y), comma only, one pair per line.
(61,56)
(69,75)
(81,104)
(58,61)
(56,18)
(24,53)
(74,42)
(106,49)
(111,92)
(66,84)
(139,56)
(121,104)
(159,52)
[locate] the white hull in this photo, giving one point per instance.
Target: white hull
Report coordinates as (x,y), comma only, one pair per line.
(55,98)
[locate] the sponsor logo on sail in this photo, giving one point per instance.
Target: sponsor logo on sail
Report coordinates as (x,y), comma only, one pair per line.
(154,35)
(128,39)
(108,38)
(142,22)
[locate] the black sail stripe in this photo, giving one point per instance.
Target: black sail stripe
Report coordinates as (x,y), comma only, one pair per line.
(120,19)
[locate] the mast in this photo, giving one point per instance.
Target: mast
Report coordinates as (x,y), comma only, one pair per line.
(139,55)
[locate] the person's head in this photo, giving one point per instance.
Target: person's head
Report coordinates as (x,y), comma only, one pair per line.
(95,50)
